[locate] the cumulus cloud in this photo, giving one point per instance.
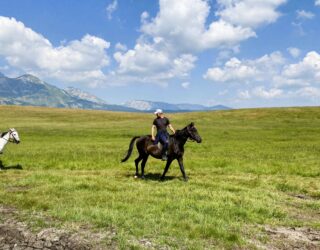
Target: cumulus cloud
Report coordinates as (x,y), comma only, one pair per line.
(249,13)
(182,24)
(302,14)
(120,46)
(269,69)
(267,94)
(309,92)
(317,3)
(166,49)
(270,76)
(185,85)
(29,51)
(294,52)
(149,64)
(169,41)
(144,16)
(261,92)
(246,71)
(112,7)
(305,72)
(244,94)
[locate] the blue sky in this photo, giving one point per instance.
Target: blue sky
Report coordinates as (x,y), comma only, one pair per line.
(240,53)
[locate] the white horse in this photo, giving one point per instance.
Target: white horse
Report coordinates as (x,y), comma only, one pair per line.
(10,136)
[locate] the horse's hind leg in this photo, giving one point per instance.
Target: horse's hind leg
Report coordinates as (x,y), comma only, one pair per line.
(136,161)
(143,164)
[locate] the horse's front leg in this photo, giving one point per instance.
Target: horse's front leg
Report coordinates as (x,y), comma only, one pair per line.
(166,168)
(180,161)
(143,164)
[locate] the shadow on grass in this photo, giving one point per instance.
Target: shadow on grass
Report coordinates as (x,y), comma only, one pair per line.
(3,167)
(154,177)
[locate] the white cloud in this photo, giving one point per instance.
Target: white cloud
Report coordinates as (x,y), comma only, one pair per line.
(145,63)
(233,70)
(294,52)
(267,94)
(244,94)
(185,85)
(144,16)
(182,24)
(271,76)
(309,92)
(271,69)
(249,13)
(120,46)
(143,59)
(246,71)
(261,92)
(302,14)
(112,7)
(165,50)
(305,72)
(317,3)
(29,51)
(169,41)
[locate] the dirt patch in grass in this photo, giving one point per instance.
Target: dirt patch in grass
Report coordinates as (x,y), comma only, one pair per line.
(304,197)
(17,235)
(288,238)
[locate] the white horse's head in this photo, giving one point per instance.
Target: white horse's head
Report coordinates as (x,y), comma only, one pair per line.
(14,136)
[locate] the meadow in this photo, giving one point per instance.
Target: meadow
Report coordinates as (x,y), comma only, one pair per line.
(248,173)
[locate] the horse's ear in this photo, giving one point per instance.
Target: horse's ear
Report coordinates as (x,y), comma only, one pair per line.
(191,124)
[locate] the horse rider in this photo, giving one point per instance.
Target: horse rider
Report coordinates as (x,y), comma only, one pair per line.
(161,123)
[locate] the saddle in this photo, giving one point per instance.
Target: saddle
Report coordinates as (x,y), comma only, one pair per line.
(156,149)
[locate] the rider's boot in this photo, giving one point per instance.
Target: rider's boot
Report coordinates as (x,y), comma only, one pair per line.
(164,155)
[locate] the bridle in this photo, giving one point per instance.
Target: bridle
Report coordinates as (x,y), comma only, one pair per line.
(190,136)
(8,140)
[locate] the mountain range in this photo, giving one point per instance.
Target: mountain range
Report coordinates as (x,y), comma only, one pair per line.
(30,90)
(168,107)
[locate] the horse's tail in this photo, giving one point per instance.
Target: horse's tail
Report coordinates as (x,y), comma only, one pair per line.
(130,149)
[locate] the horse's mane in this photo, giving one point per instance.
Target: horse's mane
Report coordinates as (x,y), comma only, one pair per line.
(179,132)
(3,134)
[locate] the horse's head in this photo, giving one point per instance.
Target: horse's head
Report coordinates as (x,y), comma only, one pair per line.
(193,133)
(14,136)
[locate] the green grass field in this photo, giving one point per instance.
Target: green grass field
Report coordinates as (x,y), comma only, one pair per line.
(244,176)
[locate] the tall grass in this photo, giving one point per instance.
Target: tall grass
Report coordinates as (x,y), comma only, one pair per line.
(246,173)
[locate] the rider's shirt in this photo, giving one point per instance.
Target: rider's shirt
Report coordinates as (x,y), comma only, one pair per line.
(161,124)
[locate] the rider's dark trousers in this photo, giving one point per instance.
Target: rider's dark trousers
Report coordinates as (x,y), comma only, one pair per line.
(163,138)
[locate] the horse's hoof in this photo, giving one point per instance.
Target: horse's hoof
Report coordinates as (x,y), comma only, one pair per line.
(185,179)
(142,177)
(136,176)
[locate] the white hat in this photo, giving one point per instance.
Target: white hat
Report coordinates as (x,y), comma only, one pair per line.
(158,111)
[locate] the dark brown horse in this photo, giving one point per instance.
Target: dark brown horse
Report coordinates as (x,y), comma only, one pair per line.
(146,147)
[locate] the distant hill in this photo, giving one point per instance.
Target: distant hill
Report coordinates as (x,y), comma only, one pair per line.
(32,91)
(143,105)
(79,94)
